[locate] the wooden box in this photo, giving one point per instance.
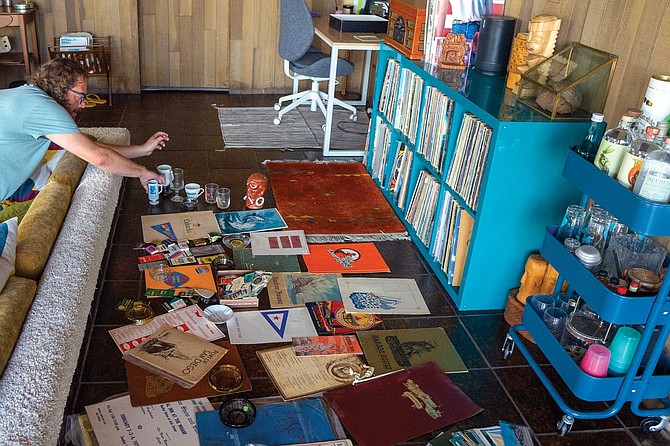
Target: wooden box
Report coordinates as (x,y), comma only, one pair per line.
(406,30)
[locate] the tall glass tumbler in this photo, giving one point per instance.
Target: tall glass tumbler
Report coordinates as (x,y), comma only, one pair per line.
(596,232)
(572,222)
(177,184)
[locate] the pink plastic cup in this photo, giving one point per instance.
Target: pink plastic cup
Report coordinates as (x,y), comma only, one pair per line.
(596,361)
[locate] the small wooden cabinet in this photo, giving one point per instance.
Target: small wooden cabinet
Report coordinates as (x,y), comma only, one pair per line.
(25,21)
(406,30)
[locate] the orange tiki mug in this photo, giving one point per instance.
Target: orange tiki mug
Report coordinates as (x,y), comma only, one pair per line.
(256,185)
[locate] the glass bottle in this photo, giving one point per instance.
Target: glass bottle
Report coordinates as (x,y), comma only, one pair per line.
(653,182)
(662,132)
(637,126)
(613,146)
(634,156)
(589,146)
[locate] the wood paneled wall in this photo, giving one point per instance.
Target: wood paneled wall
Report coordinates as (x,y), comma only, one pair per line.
(634,30)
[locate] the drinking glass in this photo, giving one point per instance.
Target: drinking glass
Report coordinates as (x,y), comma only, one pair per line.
(572,222)
(210,193)
(222,197)
(177,183)
(555,319)
(596,232)
(567,302)
(596,361)
(540,302)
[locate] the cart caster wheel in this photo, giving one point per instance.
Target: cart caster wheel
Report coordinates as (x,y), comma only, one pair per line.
(276,121)
(353,117)
(277,106)
(565,425)
(323,127)
(508,347)
(652,425)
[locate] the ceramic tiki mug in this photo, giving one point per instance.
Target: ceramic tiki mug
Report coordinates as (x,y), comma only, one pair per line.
(256,185)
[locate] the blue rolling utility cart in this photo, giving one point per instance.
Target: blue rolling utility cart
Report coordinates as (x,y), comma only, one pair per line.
(652,312)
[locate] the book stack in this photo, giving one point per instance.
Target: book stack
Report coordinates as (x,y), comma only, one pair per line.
(387,98)
(435,127)
(422,206)
(380,150)
(409,104)
(179,357)
(467,169)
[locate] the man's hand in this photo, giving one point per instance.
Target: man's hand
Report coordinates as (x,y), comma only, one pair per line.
(155,142)
(149,175)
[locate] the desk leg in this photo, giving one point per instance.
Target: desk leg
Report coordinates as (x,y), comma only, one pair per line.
(24,45)
(33,39)
(331,95)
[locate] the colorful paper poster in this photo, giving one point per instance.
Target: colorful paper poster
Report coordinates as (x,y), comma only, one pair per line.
(351,258)
(294,290)
(182,278)
(116,422)
(274,424)
(381,296)
(188,319)
(279,243)
(180,226)
(250,221)
(330,318)
(263,327)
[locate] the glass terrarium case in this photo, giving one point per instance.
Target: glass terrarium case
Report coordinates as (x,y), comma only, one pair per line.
(571,84)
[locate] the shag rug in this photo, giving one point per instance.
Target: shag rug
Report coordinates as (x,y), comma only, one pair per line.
(333,202)
(36,382)
(299,129)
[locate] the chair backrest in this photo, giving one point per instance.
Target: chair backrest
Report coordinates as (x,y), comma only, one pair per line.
(94,58)
(296,29)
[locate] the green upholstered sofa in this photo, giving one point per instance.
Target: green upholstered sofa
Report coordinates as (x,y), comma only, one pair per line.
(44,307)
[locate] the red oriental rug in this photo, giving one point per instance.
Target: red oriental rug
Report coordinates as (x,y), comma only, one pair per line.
(333,202)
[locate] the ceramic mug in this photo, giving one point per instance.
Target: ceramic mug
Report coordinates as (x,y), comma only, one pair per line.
(166,171)
(193,191)
(154,190)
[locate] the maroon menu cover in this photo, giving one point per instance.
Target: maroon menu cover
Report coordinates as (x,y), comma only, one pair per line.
(413,401)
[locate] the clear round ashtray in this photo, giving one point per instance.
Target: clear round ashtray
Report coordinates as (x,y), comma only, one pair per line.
(218,314)
(236,241)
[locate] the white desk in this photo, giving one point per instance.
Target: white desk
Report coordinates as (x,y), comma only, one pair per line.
(342,41)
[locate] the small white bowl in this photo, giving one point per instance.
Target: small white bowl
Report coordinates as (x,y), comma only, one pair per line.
(218,314)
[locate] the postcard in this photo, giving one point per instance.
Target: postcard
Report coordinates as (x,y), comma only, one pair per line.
(297,376)
(326,345)
(263,327)
(294,290)
(279,243)
(351,258)
(181,226)
(117,422)
(250,221)
(381,296)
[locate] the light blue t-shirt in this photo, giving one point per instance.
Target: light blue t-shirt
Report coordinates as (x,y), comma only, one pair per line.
(26,115)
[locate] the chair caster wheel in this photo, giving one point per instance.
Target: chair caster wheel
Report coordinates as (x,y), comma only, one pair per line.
(276,121)
(353,117)
(277,106)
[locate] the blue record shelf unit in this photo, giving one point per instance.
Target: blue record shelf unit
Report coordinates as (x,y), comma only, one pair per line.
(506,176)
(648,376)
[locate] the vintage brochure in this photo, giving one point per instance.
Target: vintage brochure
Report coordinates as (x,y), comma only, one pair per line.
(250,221)
(295,289)
(298,376)
(351,258)
(146,388)
(279,243)
(244,258)
(116,422)
(263,327)
(182,278)
(388,350)
(381,296)
(182,358)
(330,318)
(181,226)
(189,320)
(326,345)
(274,424)
(422,394)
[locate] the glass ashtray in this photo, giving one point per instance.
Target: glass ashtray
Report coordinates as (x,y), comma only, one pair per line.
(237,412)
(139,314)
(225,378)
(236,241)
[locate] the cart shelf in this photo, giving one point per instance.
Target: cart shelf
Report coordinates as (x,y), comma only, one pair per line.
(638,214)
(611,306)
(584,386)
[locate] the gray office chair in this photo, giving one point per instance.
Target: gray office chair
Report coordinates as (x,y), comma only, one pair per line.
(302,61)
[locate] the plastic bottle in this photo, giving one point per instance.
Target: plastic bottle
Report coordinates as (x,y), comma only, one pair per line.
(613,146)
(635,155)
(589,145)
(653,183)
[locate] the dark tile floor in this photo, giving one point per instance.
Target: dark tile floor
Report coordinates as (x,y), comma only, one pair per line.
(506,389)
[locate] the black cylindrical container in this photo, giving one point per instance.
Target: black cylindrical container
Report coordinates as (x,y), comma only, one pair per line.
(494,45)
